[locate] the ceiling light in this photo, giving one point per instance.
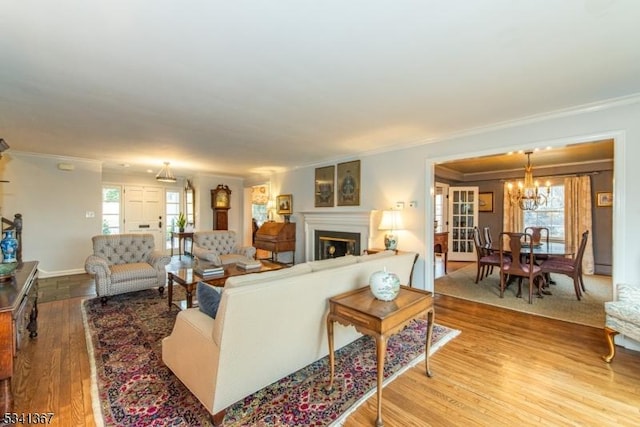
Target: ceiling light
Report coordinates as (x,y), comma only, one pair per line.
(528,196)
(165,174)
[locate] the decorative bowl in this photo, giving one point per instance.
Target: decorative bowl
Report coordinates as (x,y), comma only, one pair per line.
(7,269)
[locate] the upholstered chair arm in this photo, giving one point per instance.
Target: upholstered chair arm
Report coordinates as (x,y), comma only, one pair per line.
(248,251)
(158,260)
(628,292)
(98,266)
(101,271)
(207,255)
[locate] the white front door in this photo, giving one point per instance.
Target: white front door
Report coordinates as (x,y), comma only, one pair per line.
(463,216)
(144,212)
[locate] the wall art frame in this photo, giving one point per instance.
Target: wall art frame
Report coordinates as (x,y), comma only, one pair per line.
(348,183)
(485,201)
(324,187)
(604,199)
(284,204)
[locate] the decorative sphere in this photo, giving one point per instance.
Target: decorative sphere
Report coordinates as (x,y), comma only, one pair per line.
(384,285)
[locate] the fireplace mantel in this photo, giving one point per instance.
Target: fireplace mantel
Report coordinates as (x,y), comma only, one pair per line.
(346,221)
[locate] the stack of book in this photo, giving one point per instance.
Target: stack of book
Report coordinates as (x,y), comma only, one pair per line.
(208,270)
(249,264)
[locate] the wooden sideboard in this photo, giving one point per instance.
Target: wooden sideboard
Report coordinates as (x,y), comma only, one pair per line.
(441,246)
(277,237)
(18,316)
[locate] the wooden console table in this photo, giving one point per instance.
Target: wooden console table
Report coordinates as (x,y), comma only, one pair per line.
(441,246)
(18,315)
(379,319)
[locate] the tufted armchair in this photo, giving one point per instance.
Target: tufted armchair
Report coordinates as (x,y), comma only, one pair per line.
(125,263)
(622,317)
(220,247)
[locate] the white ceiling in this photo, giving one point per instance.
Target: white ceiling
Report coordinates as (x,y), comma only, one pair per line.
(244,87)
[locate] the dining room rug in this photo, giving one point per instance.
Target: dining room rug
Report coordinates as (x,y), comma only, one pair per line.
(131,385)
(561,305)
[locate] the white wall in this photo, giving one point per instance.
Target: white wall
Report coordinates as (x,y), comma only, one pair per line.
(405,175)
(53,204)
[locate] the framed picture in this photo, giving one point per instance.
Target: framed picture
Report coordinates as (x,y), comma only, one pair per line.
(284,203)
(348,185)
(485,202)
(324,186)
(604,198)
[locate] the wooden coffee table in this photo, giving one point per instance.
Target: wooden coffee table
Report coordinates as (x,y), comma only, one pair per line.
(379,319)
(188,279)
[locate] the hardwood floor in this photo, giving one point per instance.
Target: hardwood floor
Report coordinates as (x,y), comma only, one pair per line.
(505,368)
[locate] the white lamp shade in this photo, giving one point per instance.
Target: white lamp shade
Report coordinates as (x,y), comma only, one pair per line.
(391,220)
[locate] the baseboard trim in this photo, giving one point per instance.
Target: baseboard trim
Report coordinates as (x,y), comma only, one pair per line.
(43,274)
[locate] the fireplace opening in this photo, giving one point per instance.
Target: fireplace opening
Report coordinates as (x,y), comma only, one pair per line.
(334,244)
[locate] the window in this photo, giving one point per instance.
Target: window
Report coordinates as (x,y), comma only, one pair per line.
(173,210)
(439,210)
(111,196)
(550,215)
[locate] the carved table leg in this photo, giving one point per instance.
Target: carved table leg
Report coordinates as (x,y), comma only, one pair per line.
(332,357)
(430,321)
(170,288)
(381,348)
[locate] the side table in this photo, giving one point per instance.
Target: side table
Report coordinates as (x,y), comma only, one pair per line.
(182,238)
(379,319)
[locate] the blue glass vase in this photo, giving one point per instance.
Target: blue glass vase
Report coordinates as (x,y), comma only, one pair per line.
(9,246)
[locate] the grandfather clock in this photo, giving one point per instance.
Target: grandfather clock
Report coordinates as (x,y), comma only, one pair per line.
(220,203)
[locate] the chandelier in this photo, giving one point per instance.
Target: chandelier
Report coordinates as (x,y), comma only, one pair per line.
(528,195)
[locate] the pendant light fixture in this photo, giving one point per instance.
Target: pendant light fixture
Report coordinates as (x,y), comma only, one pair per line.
(528,195)
(165,174)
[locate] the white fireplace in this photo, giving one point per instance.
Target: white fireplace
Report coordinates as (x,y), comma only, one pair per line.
(347,222)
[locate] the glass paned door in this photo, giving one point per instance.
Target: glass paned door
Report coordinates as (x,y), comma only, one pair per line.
(463,216)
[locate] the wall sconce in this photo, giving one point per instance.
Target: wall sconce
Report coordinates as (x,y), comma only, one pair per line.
(391,221)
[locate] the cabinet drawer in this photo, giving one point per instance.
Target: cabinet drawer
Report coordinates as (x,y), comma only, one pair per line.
(355,318)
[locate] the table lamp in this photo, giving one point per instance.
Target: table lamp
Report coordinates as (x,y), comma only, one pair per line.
(391,221)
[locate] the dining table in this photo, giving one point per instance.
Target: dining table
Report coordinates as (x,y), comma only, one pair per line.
(542,249)
(538,249)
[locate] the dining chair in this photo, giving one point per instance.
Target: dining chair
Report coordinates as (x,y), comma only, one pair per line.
(488,240)
(515,263)
(538,234)
(487,236)
(571,267)
(485,260)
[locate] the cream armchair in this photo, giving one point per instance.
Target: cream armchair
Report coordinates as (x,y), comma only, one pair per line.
(125,263)
(220,247)
(622,317)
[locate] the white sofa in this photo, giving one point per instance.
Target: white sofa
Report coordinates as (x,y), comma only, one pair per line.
(220,247)
(268,326)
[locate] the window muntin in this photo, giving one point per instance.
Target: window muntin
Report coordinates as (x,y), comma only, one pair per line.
(550,215)
(111,198)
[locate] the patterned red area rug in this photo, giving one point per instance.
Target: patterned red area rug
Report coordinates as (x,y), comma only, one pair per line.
(131,385)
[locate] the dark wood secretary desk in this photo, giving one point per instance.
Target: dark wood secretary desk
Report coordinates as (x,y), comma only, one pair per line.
(277,237)
(441,246)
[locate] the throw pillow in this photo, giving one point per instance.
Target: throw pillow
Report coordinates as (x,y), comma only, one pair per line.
(208,298)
